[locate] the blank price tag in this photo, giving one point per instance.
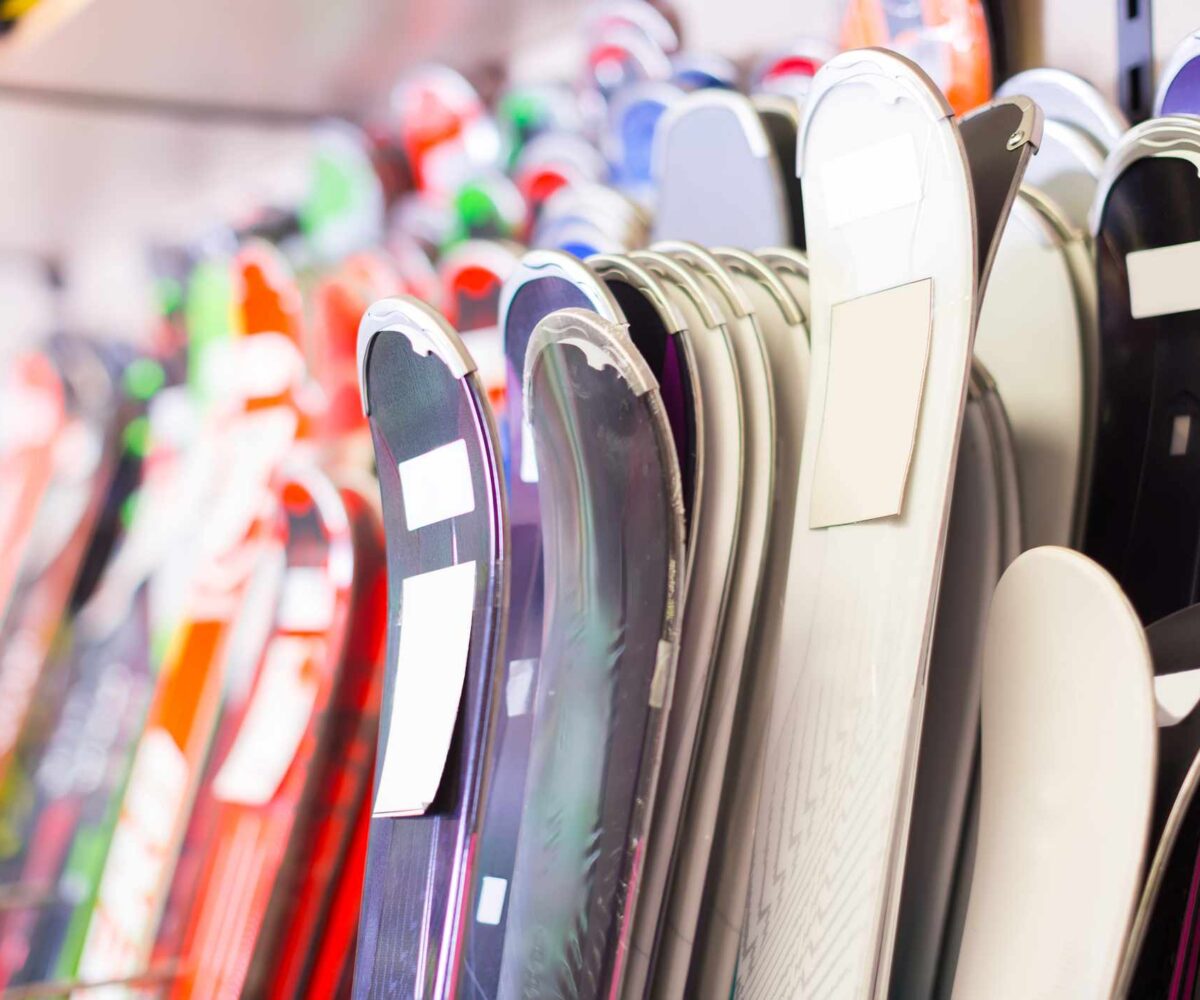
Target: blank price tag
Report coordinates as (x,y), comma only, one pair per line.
(878,348)
(436,611)
(1163,280)
(437,485)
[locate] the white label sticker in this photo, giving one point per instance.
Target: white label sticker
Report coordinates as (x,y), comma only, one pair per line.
(436,610)
(518,694)
(1181,433)
(856,186)
(529,470)
(1176,696)
(492,891)
(307,601)
(274,724)
(1163,280)
(437,485)
(877,353)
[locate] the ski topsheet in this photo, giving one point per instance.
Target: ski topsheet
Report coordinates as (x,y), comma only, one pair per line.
(1068,724)
(1037,339)
(544,282)
(977,552)
(742,191)
(1144,512)
(892,247)
(612,518)
(445,519)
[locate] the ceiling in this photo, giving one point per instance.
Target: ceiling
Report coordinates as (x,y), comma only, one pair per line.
(139,121)
(309,56)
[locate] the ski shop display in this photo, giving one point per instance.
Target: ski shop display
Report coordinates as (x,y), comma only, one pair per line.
(1158,955)
(1067,692)
(1044,361)
(604,530)
(543,283)
(226,612)
(1143,523)
(446,522)
(611,503)
(743,187)
(882,160)
(1081,128)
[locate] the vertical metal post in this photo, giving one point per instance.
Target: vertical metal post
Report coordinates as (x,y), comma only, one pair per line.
(1135,58)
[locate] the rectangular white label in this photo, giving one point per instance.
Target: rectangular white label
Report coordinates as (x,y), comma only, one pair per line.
(274,724)
(1164,280)
(870,181)
(437,485)
(529,469)
(518,694)
(492,891)
(436,610)
(878,348)
(1181,433)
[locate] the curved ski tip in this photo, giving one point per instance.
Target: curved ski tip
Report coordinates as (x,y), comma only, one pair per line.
(1029,132)
(535,264)
(893,75)
(425,328)
(1171,135)
(604,343)
(706,263)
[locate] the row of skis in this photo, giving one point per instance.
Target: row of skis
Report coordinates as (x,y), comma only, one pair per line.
(758,600)
(815,624)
